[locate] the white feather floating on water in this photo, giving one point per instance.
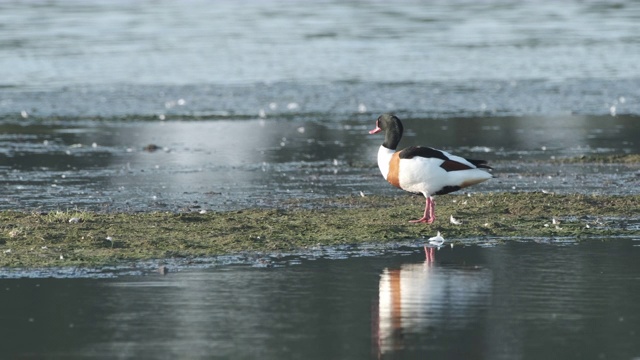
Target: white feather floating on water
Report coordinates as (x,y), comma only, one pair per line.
(437,240)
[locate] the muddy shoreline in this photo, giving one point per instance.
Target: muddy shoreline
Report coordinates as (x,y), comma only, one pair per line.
(95,239)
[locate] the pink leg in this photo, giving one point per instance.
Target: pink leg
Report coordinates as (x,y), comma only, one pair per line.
(432,212)
(429,212)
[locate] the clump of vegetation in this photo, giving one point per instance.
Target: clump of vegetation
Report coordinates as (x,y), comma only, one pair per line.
(93,239)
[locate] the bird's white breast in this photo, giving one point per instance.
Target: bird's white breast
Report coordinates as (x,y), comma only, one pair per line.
(384,157)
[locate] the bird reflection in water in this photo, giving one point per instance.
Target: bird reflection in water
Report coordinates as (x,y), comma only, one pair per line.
(430,248)
(418,302)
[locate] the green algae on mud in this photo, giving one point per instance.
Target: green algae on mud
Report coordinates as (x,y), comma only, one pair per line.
(93,239)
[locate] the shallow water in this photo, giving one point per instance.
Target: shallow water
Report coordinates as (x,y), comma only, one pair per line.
(262,162)
(542,298)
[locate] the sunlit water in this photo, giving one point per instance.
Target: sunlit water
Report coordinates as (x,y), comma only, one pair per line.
(48,44)
(254,103)
(537,299)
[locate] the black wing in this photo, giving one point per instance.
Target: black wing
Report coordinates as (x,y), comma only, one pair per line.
(427,152)
(448,164)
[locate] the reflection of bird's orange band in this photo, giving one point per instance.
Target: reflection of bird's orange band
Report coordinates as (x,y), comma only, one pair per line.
(396,300)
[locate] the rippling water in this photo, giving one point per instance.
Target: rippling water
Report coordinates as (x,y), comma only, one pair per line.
(116,58)
(69,43)
(457,58)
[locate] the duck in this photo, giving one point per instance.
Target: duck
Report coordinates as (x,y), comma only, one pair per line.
(424,170)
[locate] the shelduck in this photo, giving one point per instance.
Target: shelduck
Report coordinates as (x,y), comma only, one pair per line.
(424,170)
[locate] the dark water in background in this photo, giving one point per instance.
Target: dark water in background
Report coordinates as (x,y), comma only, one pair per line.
(256,102)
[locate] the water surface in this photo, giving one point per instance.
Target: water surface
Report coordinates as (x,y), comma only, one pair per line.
(543,298)
(48,44)
(226,164)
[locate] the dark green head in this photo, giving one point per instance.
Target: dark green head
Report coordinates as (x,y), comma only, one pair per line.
(392,127)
